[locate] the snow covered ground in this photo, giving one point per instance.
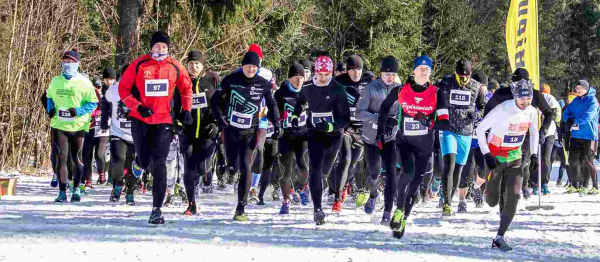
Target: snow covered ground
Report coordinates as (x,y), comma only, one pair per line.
(34,228)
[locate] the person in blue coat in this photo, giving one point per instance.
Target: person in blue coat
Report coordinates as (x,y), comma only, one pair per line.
(581,116)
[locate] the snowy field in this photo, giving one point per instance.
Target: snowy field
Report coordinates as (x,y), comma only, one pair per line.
(34,228)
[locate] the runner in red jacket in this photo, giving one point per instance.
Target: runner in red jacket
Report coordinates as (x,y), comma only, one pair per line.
(147,87)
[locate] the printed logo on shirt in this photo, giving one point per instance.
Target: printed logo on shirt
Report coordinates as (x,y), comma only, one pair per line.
(147,74)
(327,97)
(418,99)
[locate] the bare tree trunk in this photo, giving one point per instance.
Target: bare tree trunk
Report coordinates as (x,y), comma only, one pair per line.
(129,12)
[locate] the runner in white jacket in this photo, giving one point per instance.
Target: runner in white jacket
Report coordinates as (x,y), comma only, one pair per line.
(508,124)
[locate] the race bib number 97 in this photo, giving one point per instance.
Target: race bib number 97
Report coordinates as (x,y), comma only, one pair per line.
(157,87)
(460,97)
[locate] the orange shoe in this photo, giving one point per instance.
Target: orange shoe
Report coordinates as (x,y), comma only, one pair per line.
(337,206)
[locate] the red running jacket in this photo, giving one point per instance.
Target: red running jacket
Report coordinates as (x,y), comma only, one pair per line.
(151,83)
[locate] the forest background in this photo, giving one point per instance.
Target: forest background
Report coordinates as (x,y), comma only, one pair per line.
(111,33)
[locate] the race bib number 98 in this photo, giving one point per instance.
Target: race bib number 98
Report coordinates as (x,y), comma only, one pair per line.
(157,87)
(460,97)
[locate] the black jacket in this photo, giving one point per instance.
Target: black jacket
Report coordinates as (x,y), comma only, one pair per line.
(459,122)
(286,102)
(242,96)
(353,90)
(324,99)
(202,88)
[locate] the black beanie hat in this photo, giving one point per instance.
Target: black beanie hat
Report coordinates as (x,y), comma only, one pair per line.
(389,64)
(306,63)
(196,56)
(160,37)
(464,67)
(251,58)
(340,67)
(109,73)
(354,62)
(296,70)
(519,74)
(481,78)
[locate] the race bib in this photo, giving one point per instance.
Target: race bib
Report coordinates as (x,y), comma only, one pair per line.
(322,117)
(157,87)
(575,128)
(414,128)
(301,120)
(99,132)
(460,97)
(353,113)
(65,115)
(270,130)
(240,120)
(513,140)
(199,101)
(124,123)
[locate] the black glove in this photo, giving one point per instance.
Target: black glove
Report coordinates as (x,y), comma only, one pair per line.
(424,120)
(322,126)
(380,140)
(51,113)
(490,161)
(187,120)
(542,137)
(534,163)
(222,123)
(144,111)
(473,116)
(295,121)
(442,125)
(72,112)
(211,131)
(104,126)
(277,132)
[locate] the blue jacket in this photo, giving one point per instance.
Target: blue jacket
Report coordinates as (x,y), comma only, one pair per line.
(585,112)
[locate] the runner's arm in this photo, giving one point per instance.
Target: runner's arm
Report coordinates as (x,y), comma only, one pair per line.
(384,110)
(485,125)
(534,135)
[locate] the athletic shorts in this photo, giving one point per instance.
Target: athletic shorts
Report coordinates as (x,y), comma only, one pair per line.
(452,143)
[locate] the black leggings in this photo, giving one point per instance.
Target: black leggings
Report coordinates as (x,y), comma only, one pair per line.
(263,164)
(510,173)
(545,157)
(351,151)
(322,150)
(559,151)
(93,144)
(582,148)
(525,162)
(450,179)
(389,154)
(197,154)
(152,145)
(468,176)
(415,161)
(122,154)
(66,143)
(240,145)
(293,147)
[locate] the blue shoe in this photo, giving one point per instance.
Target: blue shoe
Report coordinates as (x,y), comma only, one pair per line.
(535,191)
(54,182)
(285,209)
(545,190)
(370,205)
(304,198)
(116,194)
(136,170)
(76,197)
(62,197)
(435,185)
(295,197)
